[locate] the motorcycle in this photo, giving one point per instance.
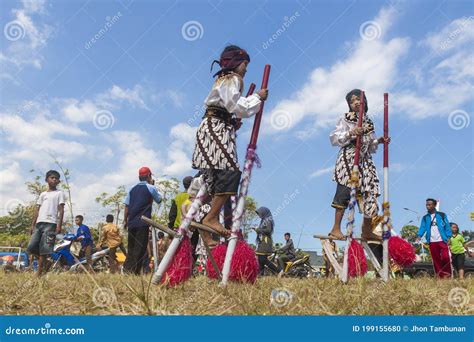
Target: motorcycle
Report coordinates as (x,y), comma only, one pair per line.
(62,259)
(298,267)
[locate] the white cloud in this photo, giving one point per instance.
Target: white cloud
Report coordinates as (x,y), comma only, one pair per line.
(168,97)
(445,79)
(34,140)
(27,35)
(116,94)
(454,35)
(183,139)
(112,99)
(321,172)
(11,193)
(77,111)
(321,98)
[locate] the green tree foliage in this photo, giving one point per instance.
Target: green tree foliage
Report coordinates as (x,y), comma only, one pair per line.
(168,189)
(409,233)
(114,202)
(249,216)
(14,240)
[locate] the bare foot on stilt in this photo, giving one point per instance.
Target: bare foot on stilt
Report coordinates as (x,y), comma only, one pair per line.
(336,234)
(217,226)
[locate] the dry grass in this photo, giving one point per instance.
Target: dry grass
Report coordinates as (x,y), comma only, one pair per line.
(106,294)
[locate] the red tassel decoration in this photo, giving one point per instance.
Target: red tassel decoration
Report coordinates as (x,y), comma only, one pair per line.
(219,256)
(181,267)
(357,263)
(244,266)
(401,251)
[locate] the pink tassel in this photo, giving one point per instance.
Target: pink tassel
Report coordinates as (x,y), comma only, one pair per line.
(357,263)
(401,251)
(244,266)
(181,267)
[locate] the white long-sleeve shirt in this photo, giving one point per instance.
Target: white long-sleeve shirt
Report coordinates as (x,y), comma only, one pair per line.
(226,93)
(342,137)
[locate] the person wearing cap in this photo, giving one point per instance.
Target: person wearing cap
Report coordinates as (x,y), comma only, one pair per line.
(174,216)
(138,203)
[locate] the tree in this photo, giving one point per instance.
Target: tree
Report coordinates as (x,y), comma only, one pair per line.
(37,186)
(114,201)
(168,189)
(19,219)
(66,187)
(409,233)
(249,216)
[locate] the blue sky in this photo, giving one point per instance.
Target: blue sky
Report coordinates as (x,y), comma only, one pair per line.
(109,86)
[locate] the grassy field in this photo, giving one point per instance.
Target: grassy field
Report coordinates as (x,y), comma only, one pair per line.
(107,294)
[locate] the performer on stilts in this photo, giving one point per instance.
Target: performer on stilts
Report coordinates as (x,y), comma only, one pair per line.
(344,136)
(215,153)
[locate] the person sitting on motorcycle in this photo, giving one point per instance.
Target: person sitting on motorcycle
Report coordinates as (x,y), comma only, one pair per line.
(287,253)
(85,237)
(264,239)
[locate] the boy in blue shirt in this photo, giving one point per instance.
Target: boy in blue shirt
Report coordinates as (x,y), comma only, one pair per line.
(84,235)
(139,201)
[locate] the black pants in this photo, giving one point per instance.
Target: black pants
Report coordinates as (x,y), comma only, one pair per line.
(137,250)
(262,261)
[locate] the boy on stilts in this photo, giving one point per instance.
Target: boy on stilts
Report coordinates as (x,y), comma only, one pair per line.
(344,136)
(215,153)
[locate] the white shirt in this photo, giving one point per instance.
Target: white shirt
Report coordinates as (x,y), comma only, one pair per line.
(49,202)
(435,235)
(341,136)
(226,93)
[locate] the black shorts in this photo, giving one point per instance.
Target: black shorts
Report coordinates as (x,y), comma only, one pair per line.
(458,261)
(342,197)
(222,182)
